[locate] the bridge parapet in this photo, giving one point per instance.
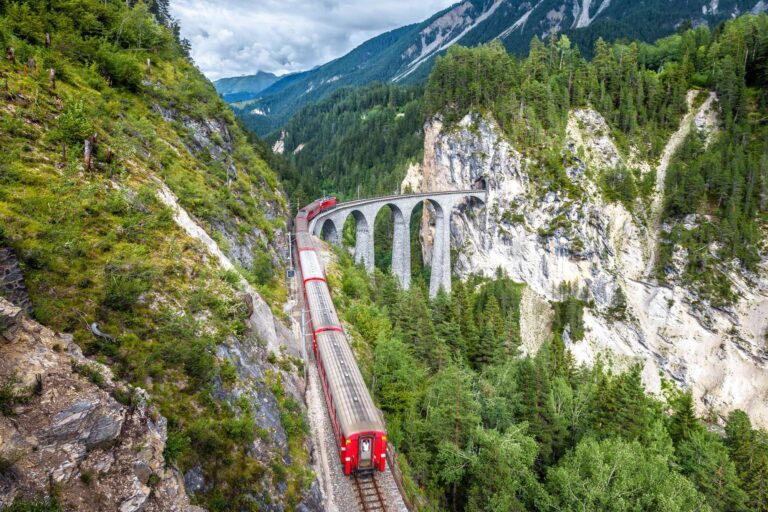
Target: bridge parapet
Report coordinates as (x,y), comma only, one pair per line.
(364,211)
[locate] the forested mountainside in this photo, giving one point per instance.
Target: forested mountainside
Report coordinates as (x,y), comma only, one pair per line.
(357,139)
(605,346)
(150,233)
(406,55)
(241,88)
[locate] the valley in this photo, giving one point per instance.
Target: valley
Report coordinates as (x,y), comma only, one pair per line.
(512,257)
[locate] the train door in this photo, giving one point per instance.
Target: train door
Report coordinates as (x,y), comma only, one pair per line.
(365,457)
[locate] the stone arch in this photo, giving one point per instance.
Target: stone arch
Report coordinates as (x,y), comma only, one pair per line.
(329,231)
(397,238)
(363,238)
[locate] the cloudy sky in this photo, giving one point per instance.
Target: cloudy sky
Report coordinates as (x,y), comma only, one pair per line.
(239,37)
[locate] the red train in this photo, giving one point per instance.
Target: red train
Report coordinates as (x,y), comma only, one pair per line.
(357,424)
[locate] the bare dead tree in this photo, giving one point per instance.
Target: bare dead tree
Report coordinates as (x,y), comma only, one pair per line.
(90,147)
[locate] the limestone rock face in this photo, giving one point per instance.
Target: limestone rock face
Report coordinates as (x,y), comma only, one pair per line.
(12,281)
(545,238)
(66,434)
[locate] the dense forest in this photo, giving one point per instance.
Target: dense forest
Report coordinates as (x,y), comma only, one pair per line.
(482,427)
(357,139)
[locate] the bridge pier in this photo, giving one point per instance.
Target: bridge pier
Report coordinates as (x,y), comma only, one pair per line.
(364,240)
(331,224)
(401,247)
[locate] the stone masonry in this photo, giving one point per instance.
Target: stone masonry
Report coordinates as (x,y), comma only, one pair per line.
(331,222)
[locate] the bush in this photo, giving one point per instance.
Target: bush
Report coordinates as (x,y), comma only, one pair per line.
(262,269)
(74,125)
(175,446)
(10,395)
(123,69)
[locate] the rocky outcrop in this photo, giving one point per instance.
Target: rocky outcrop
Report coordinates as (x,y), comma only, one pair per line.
(250,359)
(12,281)
(73,431)
(545,238)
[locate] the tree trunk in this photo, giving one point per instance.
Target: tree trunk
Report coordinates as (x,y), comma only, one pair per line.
(52,78)
(47,40)
(10,54)
(88,153)
(149,67)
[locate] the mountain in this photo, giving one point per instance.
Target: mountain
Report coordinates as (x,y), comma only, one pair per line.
(245,87)
(603,346)
(406,55)
(142,236)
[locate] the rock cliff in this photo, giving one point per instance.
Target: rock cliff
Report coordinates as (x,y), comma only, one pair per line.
(602,251)
(69,430)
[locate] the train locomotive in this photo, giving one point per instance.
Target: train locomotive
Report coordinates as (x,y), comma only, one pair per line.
(357,423)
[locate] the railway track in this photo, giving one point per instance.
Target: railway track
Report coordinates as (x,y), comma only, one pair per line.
(369,496)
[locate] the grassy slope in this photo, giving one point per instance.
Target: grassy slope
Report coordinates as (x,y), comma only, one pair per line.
(97,246)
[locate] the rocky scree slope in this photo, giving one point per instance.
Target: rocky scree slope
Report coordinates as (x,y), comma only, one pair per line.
(600,251)
(99,243)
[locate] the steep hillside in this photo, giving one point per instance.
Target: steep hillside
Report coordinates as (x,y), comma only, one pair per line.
(406,55)
(610,190)
(148,229)
(241,88)
(356,140)
(605,347)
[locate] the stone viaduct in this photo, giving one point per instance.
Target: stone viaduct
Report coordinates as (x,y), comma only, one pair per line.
(331,222)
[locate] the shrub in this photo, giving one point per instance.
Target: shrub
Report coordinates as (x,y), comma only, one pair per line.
(74,125)
(175,446)
(263,271)
(122,68)
(86,477)
(10,395)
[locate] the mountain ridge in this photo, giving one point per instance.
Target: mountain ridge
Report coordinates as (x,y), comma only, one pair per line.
(406,55)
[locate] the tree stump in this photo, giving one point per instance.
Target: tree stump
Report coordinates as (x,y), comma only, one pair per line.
(90,146)
(10,54)
(32,65)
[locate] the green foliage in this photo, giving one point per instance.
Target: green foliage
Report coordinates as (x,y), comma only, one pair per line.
(41,505)
(615,475)
(101,247)
(90,372)
(121,68)
(355,140)
(124,286)
(74,125)
(11,395)
(459,400)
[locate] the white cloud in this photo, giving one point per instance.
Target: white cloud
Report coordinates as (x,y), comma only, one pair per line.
(237,37)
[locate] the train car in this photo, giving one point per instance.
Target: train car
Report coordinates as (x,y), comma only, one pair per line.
(357,423)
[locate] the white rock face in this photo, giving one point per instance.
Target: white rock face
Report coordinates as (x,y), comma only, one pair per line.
(545,241)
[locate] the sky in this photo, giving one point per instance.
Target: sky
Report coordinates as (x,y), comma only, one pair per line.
(240,37)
